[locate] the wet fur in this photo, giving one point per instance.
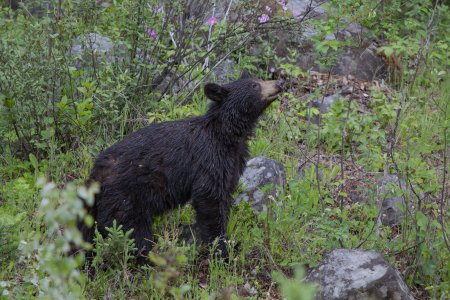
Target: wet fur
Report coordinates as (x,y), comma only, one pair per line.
(165,165)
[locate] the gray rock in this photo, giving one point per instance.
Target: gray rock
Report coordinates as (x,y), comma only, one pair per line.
(98,46)
(363,190)
(224,72)
(392,207)
(300,6)
(358,275)
(175,83)
(261,171)
(323,104)
(362,194)
(296,36)
(221,8)
(361,62)
(309,32)
(352,30)
(33,7)
(349,29)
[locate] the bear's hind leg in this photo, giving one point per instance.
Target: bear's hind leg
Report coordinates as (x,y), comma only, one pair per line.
(128,212)
(143,238)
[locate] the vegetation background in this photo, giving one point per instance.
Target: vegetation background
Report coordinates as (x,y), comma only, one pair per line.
(59,107)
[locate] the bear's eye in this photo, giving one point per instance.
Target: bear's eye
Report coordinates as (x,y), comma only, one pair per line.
(255,86)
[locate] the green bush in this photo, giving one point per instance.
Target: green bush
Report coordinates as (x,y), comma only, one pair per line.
(49,271)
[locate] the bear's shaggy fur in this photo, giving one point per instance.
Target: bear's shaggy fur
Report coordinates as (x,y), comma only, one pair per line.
(165,165)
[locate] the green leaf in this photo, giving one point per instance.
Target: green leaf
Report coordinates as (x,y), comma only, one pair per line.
(33,161)
(421,219)
(336,169)
(328,200)
(388,51)
(9,103)
(295,288)
(156,259)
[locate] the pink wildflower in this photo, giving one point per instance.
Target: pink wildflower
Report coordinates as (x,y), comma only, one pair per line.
(263,19)
(152,34)
(213,20)
(295,14)
(268,8)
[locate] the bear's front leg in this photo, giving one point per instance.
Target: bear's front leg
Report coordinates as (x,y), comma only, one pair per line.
(212,218)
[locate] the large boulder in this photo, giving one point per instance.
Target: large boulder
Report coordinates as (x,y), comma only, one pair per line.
(350,274)
(259,173)
(361,62)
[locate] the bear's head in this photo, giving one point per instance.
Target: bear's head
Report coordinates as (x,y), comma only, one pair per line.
(245,98)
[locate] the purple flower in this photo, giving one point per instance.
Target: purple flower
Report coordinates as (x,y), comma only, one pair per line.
(263,19)
(295,14)
(151,34)
(213,20)
(268,8)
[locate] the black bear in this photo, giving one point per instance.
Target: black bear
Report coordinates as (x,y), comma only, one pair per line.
(165,165)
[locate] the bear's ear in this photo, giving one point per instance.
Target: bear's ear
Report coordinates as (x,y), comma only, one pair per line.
(245,74)
(215,92)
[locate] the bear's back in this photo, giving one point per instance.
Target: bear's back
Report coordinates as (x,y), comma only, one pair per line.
(172,157)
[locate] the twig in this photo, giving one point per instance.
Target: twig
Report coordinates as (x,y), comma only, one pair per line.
(374,224)
(318,141)
(344,133)
(410,81)
(212,68)
(424,45)
(408,248)
(210,44)
(238,30)
(270,290)
(228,10)
(173,40)
(443,193)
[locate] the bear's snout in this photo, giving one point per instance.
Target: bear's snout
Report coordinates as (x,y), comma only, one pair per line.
(280,84)
(270,89)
